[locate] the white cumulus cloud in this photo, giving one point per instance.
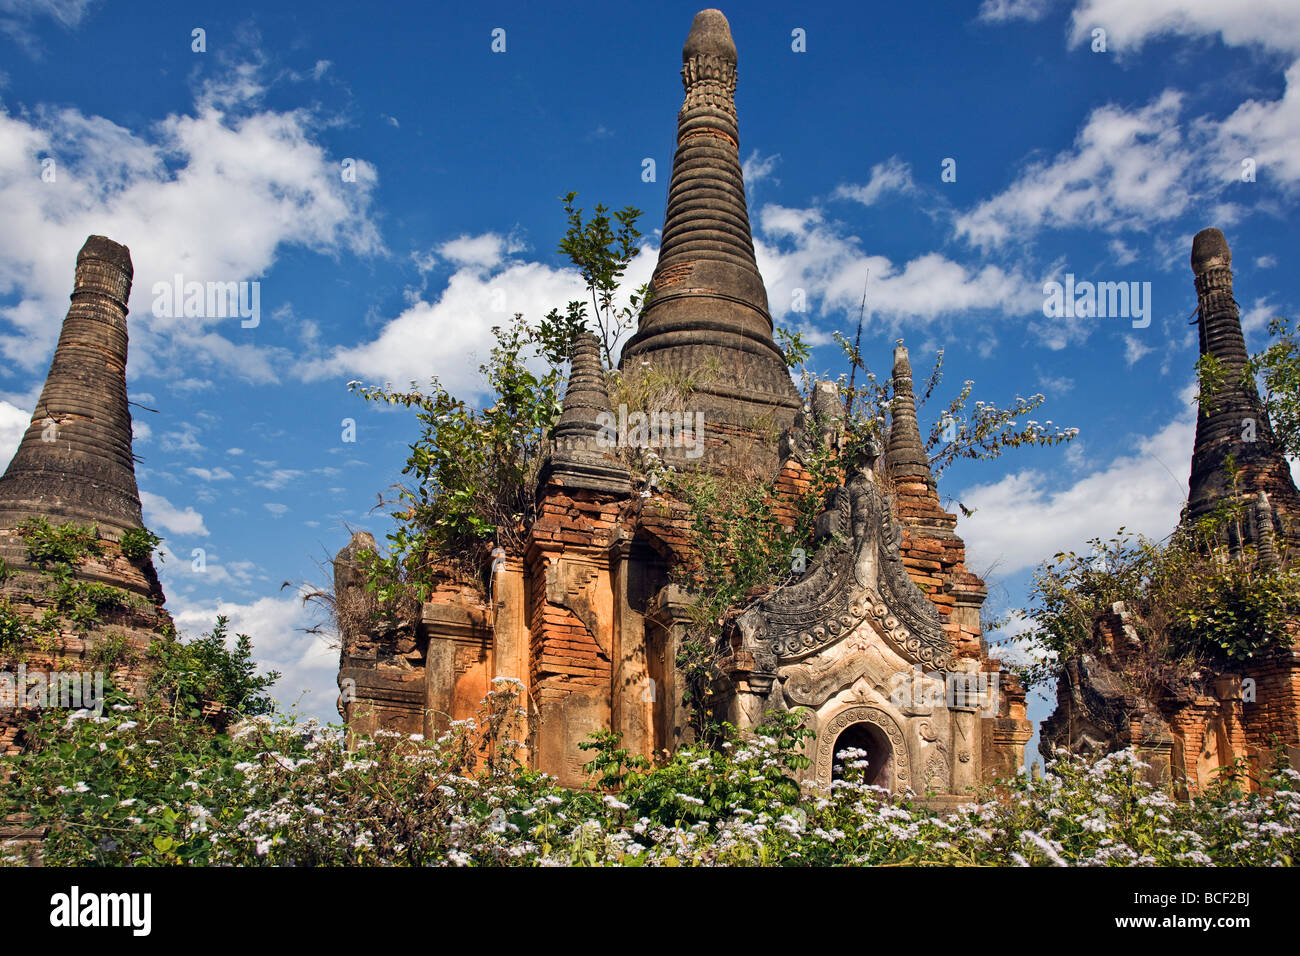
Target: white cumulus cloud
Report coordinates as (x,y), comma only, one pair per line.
(1026,517)
(1273,24)
(13,424)
(161,514)
(1127,169)
(212,194)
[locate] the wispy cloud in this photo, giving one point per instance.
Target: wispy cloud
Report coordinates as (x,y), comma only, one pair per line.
(213,194)
(891,176)
(1000,11)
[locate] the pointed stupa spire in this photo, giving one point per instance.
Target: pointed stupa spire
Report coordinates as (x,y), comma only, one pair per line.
(916,496)
(708,308)
(906,454)
(583,454)
(1233,423)
(585,397)
(74,462)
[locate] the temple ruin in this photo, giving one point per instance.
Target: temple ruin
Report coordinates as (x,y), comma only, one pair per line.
(1188,730)
(75,465)
(872,637)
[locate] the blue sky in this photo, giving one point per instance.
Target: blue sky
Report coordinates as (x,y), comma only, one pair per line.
(224,165)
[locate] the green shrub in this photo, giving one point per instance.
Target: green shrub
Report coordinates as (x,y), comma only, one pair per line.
(111,650)
(14,627)
(64,545)
(139,544)
(1191,605)
(188,674)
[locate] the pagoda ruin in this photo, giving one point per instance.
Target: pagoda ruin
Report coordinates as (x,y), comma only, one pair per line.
(586,615)
(74,466)
(1188,730)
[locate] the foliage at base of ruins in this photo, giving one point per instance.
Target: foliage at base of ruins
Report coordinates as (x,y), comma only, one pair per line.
(145,785)
(187,675)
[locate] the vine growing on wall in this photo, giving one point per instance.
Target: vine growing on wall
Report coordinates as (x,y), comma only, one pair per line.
(740,548)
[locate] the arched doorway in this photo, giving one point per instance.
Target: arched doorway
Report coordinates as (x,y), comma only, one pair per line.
(889,747)
(864,738)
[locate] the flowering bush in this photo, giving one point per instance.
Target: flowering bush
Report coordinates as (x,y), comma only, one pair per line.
(142,786)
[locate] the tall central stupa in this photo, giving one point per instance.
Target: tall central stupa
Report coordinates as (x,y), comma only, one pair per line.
(708,316)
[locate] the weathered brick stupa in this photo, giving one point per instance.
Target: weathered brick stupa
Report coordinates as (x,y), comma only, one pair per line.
(707,316)
(1233,423)
(586,614)
(1188,730)
(75,461)
(75,465)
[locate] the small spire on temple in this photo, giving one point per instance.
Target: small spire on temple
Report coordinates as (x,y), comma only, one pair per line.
(905,454)
(907,462)
(578,457)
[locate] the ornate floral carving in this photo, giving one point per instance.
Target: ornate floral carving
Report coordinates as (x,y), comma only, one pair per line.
(937,776)
(710,82)
(836,597)
(813,682)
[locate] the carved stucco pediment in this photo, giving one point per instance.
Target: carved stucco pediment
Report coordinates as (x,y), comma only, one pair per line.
(855,586)
(814,680)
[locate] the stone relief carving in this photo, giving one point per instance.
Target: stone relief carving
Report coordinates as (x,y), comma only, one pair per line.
(814,681)
(569,584)
(937,775)
(467,655)
(856,581)
(855,664)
